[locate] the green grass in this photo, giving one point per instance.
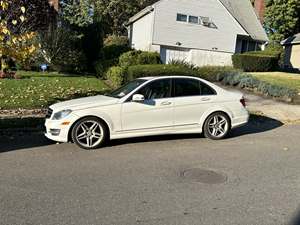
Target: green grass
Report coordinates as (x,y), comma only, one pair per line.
(290,80)
(39,90)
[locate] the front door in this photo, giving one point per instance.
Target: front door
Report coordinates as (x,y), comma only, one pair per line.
(154,113)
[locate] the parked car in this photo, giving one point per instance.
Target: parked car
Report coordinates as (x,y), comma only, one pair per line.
(145,107)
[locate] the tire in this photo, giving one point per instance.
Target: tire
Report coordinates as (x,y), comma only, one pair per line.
(90,133)
(217,126)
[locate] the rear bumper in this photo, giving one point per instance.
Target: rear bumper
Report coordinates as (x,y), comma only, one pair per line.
(240,121)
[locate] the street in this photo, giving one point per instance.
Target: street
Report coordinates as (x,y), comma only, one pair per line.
(251,178)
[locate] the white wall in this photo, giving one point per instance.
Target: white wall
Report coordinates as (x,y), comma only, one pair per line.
(210,58)
(167,31)
(141,33)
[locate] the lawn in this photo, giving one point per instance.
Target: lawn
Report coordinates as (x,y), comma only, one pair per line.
(39,90)
(291,80)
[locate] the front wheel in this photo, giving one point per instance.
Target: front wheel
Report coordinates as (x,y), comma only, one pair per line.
(217,126)
(89,133)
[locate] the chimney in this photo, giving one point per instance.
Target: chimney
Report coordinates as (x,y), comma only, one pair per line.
(260,7)
(54,4)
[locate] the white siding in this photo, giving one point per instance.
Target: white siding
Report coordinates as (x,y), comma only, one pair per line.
(141,33)
(168,32)
(210,58)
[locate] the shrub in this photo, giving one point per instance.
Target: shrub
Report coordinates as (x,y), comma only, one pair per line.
(114,51)
(134,72)
(138,58)
(216,73)
(116,75)
(115,40)
(255,62)
(182,63)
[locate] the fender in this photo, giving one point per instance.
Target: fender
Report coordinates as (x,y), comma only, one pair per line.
(96,113)
(213,110)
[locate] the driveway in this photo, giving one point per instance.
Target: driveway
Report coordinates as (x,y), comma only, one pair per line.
(252,178)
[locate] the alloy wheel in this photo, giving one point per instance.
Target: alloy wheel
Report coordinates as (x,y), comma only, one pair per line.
(89,133)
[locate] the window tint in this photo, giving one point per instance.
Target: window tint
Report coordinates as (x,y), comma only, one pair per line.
(194,19)
(207,90)
(181,17)
(187,87)
(157,89)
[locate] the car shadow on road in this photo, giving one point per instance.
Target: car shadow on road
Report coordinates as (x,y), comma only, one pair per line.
(17,140)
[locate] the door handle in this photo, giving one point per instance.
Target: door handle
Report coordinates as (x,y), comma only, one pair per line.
(205,99)
(166,103)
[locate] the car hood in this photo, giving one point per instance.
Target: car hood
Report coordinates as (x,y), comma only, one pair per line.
(82,103)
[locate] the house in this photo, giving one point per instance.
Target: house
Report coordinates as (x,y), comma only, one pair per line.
(292,52)
(202,32)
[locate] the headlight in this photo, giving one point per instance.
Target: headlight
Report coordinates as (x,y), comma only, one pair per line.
(61,114)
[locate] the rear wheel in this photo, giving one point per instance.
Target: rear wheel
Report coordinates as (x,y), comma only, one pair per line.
(217,126)
(89,133)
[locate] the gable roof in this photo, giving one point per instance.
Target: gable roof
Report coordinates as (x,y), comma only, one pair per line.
(243,12)
(292,40)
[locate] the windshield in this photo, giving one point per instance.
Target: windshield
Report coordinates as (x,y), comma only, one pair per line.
(126,89)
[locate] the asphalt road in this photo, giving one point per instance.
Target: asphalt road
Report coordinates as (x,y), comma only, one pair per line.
(253,178)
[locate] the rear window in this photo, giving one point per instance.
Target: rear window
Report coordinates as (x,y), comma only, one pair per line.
(191,87)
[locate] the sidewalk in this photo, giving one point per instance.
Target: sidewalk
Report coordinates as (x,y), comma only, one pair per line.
(281,111)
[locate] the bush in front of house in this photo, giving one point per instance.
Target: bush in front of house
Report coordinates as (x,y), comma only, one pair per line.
(137,71)
(116,75)
(138,58)
(258,62)
(216,73)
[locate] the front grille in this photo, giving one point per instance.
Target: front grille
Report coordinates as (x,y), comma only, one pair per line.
(49,113)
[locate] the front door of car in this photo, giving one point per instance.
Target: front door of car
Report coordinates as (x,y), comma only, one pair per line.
(191,99)
(153,113)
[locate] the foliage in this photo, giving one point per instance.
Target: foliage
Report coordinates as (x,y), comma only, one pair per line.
(158,70)
(39,90)
(59,50)
(115,13)
(116,40)
(182,63)
(215,73)
(255,62)
(138,58)
(116,75)
(78,12)
(282,18)
(15,44)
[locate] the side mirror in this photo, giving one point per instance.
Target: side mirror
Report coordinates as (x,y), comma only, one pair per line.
(138,98)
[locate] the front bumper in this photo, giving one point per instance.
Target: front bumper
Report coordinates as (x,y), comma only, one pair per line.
(56,131)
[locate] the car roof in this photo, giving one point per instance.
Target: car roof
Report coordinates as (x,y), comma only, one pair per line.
(163,77)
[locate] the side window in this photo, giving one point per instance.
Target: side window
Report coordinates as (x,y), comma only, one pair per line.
(187,87)
(207,90)
(157,89)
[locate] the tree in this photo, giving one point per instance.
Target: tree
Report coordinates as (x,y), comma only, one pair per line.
(15,44)
(282,18)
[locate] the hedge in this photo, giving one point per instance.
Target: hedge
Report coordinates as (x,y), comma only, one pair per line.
(134,72)
(138,58)
(116,75)
(255,62)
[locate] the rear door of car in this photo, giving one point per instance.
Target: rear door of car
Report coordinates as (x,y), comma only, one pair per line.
(191,99)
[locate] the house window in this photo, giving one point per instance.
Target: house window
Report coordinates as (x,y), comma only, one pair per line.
(194,19)
(181,17)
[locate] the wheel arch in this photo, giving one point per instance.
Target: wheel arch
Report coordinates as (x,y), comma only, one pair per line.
(216,110)
(89,116)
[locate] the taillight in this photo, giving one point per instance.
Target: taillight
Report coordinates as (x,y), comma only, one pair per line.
(243,102)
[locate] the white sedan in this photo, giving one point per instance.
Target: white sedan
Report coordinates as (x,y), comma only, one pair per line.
(145,107)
